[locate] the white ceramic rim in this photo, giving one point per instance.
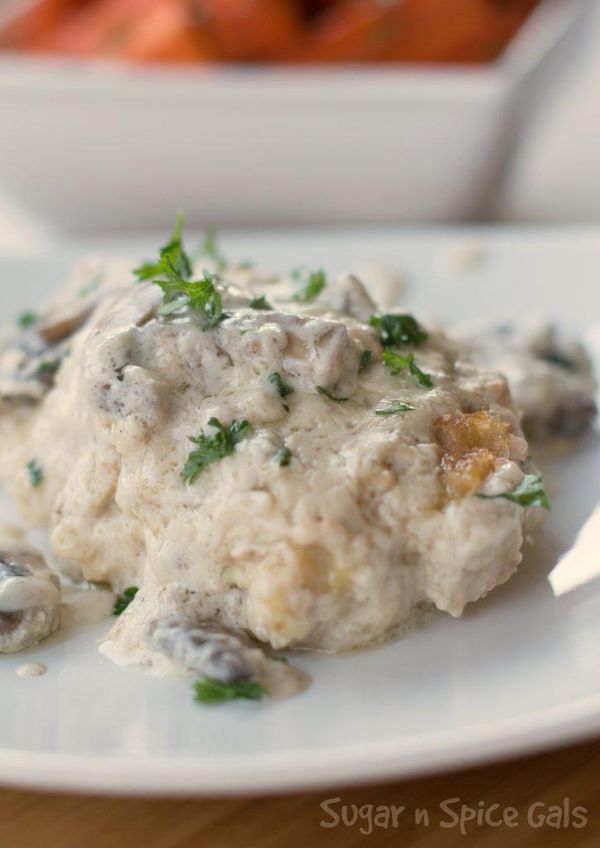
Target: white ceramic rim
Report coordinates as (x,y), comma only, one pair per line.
(309,770)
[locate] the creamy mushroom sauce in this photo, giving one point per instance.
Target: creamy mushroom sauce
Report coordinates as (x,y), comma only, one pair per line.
(374,517)
(551,377)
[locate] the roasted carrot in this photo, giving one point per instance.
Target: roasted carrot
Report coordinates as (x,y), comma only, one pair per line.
(37,19)
(101,28)
(168,33)
(353,31)
(247,30)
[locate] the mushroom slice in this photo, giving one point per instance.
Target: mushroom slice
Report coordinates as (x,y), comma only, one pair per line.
(210,650)
(29,599)
(64,321)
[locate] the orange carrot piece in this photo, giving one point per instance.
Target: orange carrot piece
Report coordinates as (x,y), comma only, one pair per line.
(250,30)
(167,33)
(26,29)
(353,31)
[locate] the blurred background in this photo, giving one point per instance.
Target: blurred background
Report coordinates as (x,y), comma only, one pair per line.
(115,113)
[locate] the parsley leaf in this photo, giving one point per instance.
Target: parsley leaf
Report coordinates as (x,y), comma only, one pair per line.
(201,295)
(124,600)
(555,358)
(172,273)
(172,256)
(260,303)
(209,690)
(212,448)
(395,406)
(314,285)
(27,319)
(365,358)
(397,363)
(35,472)
(398,330)
(284,389)
(210,249)
(529,492)
(322,391)
(283,456)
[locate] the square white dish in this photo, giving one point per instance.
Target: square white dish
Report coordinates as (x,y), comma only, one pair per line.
(520,671)
(107,147)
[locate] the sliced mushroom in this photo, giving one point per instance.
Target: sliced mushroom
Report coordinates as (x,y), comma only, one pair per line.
(349,296)
(226,655)
(64,321)
(29,599)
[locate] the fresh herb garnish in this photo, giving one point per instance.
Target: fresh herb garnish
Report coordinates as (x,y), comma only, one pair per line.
(210,249)
(397,363)
(174,252)
(201,295)
(35,472)
(395,406)
(124,600)
(314,285)
(208,690)
(398,330)
(48,368)
(529,492)
(172,273)
(560,360)
(212,448)
(260,303)
(27,319)
(284,389)
(365,358)
(283,456)
(323,391)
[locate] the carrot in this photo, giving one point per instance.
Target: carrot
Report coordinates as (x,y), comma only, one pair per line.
(168,33)
(353,31)
(414,30)
(35,22)
(466,31)
(247,30)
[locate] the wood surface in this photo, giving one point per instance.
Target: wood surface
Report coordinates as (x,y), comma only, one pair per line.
(37,820)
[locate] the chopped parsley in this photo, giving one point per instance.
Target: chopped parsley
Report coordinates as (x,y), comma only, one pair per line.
(529,492)
(210,249)
(398,330)
(260,303)
(323,391)
(27,319)
(124,600)
(283,456)
(174,251)
(395,406)
(284,389)
(172,273)
(35,472)
(313,286)
(397,363)
(558,359)
(208,690)
(365,358)
(213,448)
(48,368)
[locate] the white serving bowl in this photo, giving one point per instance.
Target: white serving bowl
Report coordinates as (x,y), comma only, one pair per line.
(89,145)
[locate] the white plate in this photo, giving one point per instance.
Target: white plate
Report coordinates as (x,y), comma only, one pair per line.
(519,671)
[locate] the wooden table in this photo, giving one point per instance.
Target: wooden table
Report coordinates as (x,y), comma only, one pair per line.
(534,787)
